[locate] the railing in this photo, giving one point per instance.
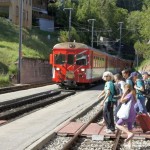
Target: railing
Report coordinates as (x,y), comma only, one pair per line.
(39,6)
(43,16)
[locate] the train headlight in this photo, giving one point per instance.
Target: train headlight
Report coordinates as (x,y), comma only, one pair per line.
(82,69)
(57,69)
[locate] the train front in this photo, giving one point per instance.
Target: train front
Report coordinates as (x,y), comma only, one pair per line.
(69,65)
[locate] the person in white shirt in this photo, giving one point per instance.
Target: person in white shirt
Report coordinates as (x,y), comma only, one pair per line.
(119,85)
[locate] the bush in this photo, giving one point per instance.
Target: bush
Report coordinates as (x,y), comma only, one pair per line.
(12,69)
(4,80)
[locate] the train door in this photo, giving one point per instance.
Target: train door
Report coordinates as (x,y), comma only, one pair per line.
(70,62)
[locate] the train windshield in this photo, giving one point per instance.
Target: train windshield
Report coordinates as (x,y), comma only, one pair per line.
(81,59)
(70,59)
(59,59)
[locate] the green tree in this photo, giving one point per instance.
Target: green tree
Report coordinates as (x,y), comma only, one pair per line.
(140,22)
(74,36)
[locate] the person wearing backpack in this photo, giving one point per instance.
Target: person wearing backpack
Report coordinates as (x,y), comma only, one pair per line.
(139,87)
(127,77)
(119,86)
(146,80)
(108,102)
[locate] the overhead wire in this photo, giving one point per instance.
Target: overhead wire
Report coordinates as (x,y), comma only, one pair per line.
(81,25)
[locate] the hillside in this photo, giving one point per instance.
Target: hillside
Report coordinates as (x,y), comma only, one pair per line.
(35,44)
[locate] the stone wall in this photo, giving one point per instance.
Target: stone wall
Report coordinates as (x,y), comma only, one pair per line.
(35,71)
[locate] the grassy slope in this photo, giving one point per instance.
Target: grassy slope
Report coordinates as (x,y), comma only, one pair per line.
(34,45)
(144,66)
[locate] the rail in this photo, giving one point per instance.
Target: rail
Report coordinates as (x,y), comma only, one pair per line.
(18,107)
(74,138)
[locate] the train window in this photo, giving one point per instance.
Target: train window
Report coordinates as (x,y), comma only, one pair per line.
(81,59)
(103,62)
(59,59)
(99,62)
(95,61)
(70,59)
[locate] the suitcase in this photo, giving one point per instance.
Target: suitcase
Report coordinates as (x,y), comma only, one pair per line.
(144,121)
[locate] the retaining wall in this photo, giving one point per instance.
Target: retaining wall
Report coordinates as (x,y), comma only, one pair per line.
(35,71)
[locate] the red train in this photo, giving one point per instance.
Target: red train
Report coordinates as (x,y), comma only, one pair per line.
(76,64)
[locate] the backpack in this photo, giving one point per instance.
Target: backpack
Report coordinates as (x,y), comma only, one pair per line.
(146,85)
(129,81)
(117,89)
(147,88)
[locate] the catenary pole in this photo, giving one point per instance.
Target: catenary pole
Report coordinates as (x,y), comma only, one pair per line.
(120,27)
(70,10)
(20,41)
(92,30)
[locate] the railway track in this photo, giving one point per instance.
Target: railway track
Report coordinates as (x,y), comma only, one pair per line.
(78,141)
(75,141)
(81,142)
(59,141)
(21,87)
(15,108)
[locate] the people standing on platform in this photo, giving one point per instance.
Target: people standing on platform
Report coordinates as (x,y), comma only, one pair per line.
(119,85)
(108,102)
(127,77)
(146,80)
(139,87)
(128,96)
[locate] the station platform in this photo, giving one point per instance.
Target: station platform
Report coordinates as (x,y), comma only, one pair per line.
(25,132)
(23,93)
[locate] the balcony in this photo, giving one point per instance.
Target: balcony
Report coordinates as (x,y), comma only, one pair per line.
(5,2)
(36,15)
(42,6)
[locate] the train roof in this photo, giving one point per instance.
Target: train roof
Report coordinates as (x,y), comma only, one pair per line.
(70,45)
(75,45)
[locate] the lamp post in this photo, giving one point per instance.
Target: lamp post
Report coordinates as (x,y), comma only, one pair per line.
(92,30)
(20,41)
(70,10)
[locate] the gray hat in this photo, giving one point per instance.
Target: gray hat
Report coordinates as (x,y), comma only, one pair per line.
(133,74)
